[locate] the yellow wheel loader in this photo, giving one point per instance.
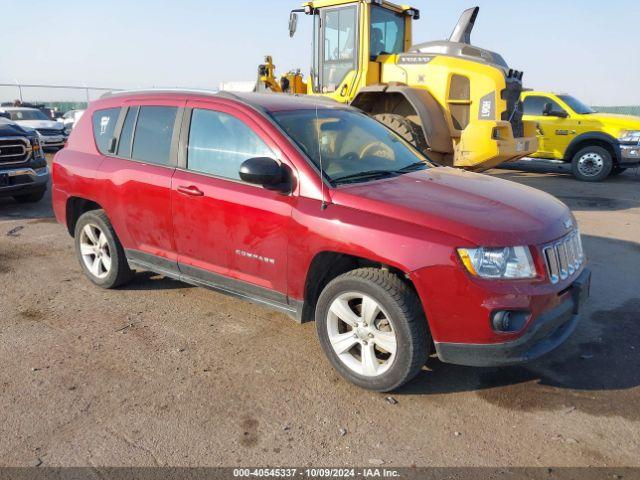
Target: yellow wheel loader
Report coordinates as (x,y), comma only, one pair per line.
(457,102)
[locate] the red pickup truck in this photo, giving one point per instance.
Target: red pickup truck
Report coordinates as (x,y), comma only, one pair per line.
(319,211)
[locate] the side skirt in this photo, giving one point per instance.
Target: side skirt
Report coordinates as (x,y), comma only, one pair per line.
(228,286)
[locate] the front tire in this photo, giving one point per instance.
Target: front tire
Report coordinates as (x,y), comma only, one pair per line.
(99,251)
(592,164)
(372,329)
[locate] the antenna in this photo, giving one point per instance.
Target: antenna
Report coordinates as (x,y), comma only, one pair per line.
(324,205)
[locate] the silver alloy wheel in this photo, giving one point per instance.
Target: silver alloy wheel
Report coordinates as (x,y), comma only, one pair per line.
(590,164)
(361,334)
(94,249)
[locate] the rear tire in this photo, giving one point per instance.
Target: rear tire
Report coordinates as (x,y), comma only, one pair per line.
(592,164)
(405,128)
(32,197)
(100,252)
(372,329)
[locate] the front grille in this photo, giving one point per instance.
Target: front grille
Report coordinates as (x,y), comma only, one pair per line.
(48,132)
(513,114)
(14,150)
(564,258)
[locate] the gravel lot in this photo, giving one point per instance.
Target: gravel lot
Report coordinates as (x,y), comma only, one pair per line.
(160,373)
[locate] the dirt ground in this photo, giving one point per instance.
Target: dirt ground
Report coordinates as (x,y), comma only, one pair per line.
(160,373)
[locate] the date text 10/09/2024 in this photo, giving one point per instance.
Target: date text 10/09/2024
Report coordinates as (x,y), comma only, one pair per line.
(315,473)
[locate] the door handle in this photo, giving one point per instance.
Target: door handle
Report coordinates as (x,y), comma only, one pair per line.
(191,191)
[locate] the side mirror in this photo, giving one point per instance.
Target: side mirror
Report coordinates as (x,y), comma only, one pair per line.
(263,171)
(293,24)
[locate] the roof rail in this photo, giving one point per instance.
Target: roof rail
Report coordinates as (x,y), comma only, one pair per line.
(114,93)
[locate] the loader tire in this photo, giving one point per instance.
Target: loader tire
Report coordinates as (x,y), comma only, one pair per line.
(405,128)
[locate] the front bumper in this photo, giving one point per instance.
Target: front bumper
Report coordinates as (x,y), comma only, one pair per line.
(57,141)
(629,156)
(546,333)
(23,180)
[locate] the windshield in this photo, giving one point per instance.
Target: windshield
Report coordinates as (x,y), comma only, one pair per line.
(576,105)
(353,147)
(18,115)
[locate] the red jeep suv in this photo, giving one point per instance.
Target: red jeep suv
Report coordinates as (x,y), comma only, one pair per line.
(319,211)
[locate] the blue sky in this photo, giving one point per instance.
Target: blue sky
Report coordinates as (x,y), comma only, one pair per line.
(585,47)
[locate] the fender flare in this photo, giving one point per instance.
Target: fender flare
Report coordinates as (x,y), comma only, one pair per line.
(432,117)
(574,146)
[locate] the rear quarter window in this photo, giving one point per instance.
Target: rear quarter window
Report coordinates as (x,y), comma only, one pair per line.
(104,127)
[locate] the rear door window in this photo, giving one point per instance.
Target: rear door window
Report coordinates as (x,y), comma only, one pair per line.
(104,127)
(154,134)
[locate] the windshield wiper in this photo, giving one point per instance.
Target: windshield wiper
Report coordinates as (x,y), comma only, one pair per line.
(367,175)
(412,167)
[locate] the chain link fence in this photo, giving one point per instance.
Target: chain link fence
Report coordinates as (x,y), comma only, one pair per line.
(60,97)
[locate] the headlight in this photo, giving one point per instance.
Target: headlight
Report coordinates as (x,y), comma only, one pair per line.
(498,263)
(36,146)
(630,136)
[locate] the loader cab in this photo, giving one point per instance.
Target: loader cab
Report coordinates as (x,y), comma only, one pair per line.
(349,41)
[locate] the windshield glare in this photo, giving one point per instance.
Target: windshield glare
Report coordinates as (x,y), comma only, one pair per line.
(349,143)
(18,115)
(576,105)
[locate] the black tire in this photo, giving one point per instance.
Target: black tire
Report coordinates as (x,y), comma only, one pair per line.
(32,197)
(598,173)
(406,313)
(119,273)
(617,171)
(405,128)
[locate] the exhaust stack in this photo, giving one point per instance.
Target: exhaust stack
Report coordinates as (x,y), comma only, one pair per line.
(464,27)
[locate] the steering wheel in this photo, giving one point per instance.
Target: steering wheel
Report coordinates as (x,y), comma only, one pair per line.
(350,157)
(378,149)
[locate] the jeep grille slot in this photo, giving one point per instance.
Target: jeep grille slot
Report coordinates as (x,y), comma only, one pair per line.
(14,150)
(564,258)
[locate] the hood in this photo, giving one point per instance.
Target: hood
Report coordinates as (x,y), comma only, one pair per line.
(479,209)
(41,124)
(9,128)
(625,122)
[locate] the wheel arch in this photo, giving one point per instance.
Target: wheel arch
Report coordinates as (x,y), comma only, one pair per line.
(327,265)
(593,138)
(408,101)
(75,208)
